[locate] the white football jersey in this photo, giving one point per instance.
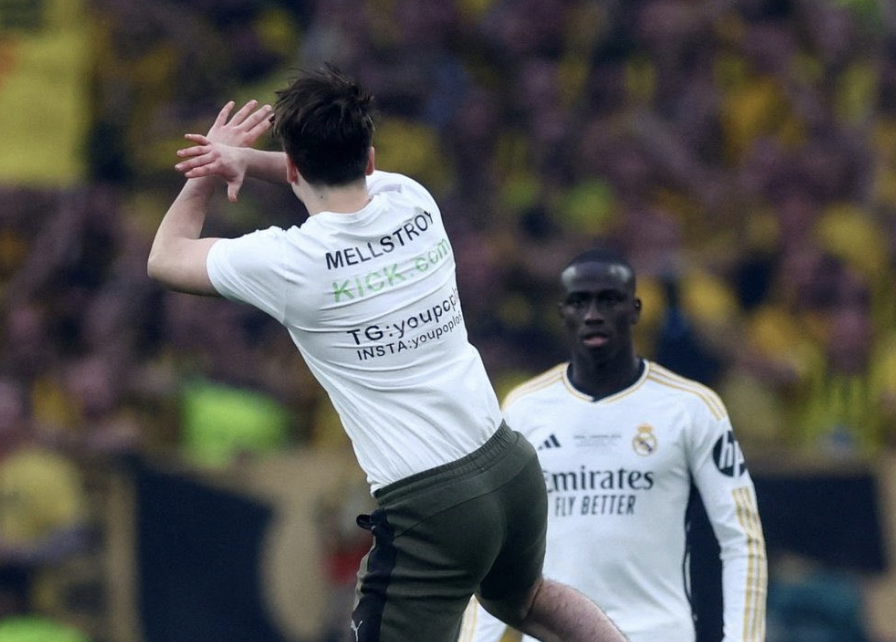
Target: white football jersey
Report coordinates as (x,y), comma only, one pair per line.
(618,472)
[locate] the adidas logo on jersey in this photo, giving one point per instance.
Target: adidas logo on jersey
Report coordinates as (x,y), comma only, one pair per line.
(550,442)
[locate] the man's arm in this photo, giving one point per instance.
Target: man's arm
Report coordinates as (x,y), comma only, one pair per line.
(177,257)
(178,254)
(233,164)
(729,497)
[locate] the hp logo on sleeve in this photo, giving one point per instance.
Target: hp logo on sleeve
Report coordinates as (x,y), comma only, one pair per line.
(728,456)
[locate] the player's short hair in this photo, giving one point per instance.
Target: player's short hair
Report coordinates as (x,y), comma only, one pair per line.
(325,123)
(602,254)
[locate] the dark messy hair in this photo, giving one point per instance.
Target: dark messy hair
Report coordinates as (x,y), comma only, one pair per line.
(325,123)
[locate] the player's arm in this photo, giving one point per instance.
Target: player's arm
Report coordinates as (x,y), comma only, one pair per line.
(226,151)
(730,500)
(177,257)
(178,254)
(233,164)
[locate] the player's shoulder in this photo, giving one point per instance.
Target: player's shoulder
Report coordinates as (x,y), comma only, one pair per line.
(679,389)
(537,386)
(257,237)
(381,181)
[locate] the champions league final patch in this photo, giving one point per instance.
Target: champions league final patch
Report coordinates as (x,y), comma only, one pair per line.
(598,442)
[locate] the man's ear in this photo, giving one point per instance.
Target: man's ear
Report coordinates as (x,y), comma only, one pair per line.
(371,164)
(292,172)
(637,315)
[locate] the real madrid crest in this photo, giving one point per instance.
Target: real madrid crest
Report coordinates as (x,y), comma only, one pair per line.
(644,443)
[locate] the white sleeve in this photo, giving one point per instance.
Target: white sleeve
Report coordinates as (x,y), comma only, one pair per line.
(249,269)
(721,476)
(479,626)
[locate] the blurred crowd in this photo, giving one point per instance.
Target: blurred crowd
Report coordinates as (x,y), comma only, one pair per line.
(742,153)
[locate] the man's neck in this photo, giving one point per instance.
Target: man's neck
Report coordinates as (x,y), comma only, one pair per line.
(344,199)
(599,380)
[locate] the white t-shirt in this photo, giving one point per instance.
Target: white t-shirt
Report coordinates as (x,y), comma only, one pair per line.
(618,472)
(370,300)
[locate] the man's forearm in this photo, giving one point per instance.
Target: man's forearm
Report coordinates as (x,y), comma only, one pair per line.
(177,256)
(265,165)
(186,216)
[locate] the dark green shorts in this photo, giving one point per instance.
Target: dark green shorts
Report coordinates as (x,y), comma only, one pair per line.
(477,524)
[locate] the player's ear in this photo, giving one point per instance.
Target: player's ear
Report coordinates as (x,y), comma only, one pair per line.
(371,162)
(637,315)
(292,172)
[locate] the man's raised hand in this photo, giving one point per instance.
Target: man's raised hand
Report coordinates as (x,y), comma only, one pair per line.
(244,128)
(217,153)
